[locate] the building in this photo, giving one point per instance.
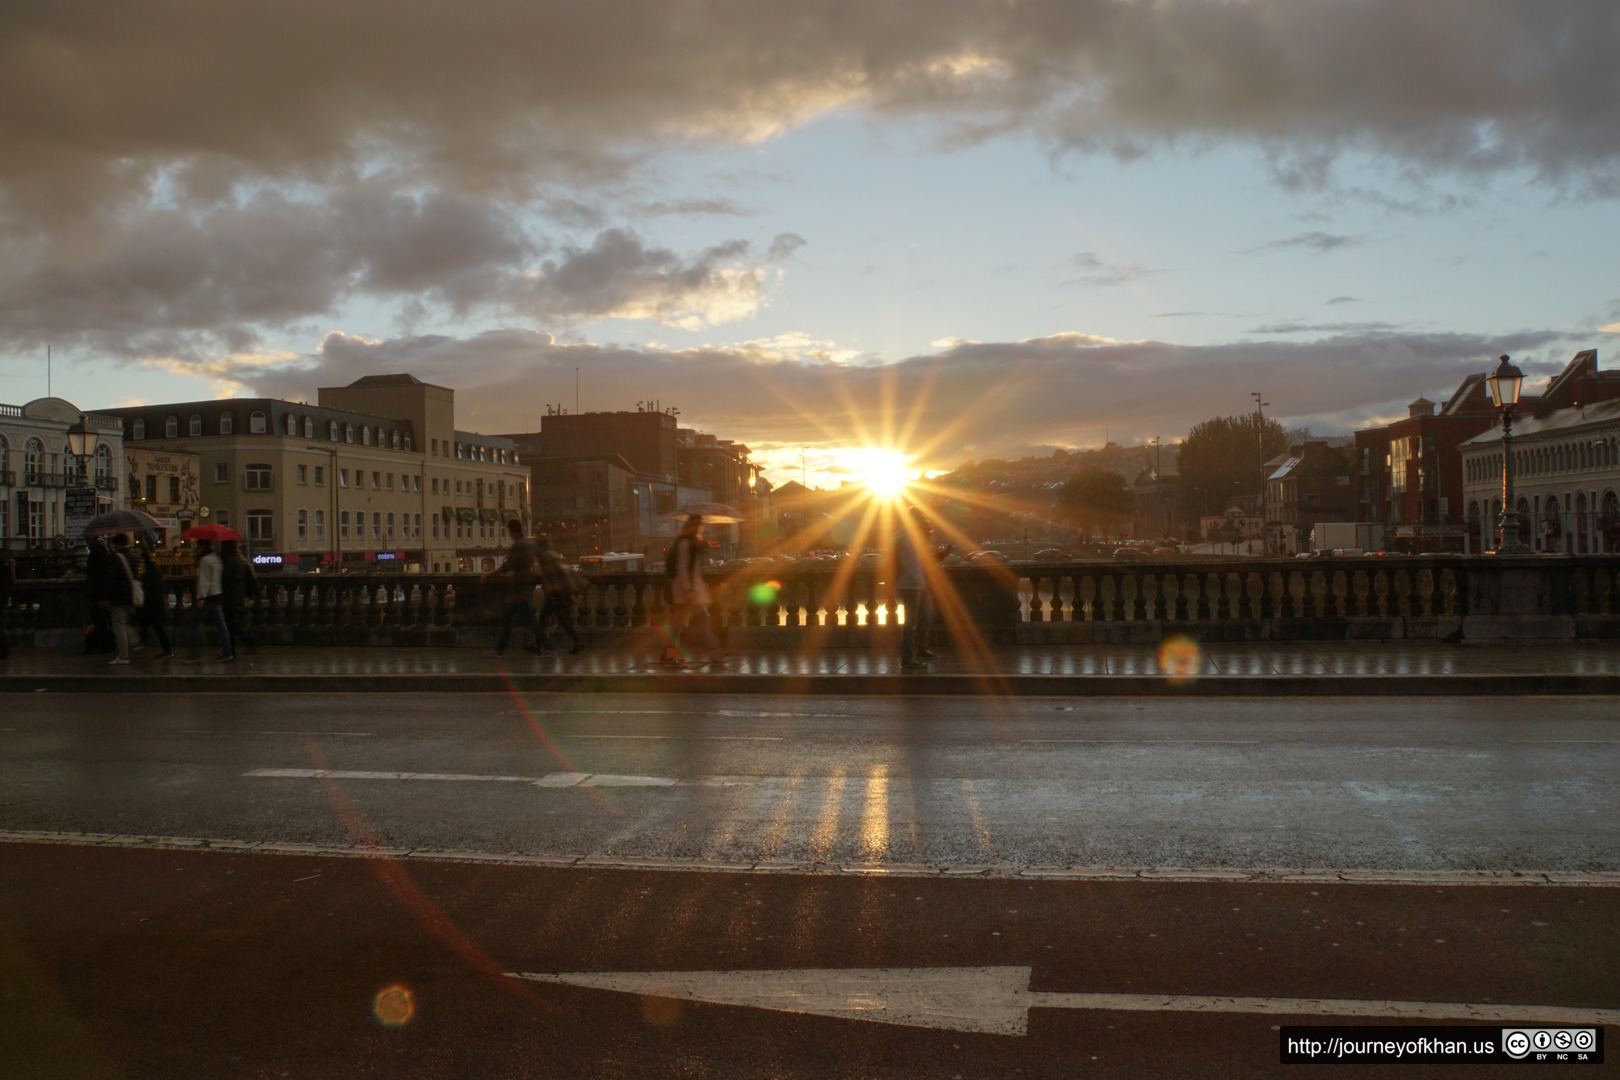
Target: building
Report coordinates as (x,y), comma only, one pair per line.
(1410,473)
(1566,481)
(374,476)
(44,490)
(1304,487)
(614,481)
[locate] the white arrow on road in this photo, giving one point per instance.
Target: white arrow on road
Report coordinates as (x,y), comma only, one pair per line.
(997,1000)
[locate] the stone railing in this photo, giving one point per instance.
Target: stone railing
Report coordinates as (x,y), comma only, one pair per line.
(1442,598)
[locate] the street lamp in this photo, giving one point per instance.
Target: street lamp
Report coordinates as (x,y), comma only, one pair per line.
(1504,384)
(82,441)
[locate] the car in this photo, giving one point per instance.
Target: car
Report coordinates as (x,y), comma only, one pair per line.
(1050,555)
(1126,553)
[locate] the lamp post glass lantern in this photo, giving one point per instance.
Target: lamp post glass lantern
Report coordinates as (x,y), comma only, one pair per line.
(1504,384)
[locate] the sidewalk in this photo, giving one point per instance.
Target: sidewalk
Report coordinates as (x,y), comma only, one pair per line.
(1256,669)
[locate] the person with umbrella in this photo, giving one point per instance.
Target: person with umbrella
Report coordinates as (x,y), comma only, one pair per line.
(118,594)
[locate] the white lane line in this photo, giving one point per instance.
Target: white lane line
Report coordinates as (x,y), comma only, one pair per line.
(550,780)
(1150,742)
(997,1000)
(311,734)
(684,738)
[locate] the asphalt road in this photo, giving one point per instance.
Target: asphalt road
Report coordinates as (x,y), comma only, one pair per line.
(799,848)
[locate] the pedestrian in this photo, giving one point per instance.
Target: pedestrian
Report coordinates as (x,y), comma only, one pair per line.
(240,588)
(8,582)
(520,567)
(688,597)
(99,569)
(561,589)
(916,565)
(154,607)
(208,604)
(120,597)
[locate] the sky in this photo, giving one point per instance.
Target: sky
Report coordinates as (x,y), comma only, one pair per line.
(950,229)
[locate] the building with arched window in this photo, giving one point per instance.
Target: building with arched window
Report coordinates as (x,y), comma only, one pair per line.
(1566,481)
(38,474)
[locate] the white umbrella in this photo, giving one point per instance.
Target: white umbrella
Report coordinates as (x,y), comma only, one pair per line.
(712,513)
(121,521)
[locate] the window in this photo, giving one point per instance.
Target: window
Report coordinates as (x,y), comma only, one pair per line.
(390,526)
(407,440)
(435,443)
(320,476)
(348,433)
(151,488)
(303,526)
(393,439)
(416,483)
(365,434)
(258,424)
(376,480)
(418,527)
(223,516)
(390,484)
(343,524)
(332,430)
(260,526)
(257,478)
(194,426)
(227,423)
(434,484)
(320,525)
(174,490)
(171,427)
(222,473)
(309,427)
(343,478)
(376,525)
(292,424)
(139,430)
(303,474)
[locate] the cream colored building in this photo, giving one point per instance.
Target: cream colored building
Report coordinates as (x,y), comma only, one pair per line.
(373,476)
(37,472)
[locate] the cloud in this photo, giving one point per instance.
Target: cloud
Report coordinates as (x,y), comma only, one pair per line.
(1097,272)
(968,400)
(1319,242)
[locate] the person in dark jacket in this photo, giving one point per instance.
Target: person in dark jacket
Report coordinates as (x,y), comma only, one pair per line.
(155,607)
(521,566)
(120,597)
(8,579)
(240,587)
(99,569)
(558,602)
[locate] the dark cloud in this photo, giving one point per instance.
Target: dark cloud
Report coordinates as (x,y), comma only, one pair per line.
(1319,242)
(971,400)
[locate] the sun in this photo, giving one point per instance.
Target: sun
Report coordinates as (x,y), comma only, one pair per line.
(882,472)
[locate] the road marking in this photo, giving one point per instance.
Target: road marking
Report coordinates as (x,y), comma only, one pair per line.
(1149,742)
(684,738)
(311,734)
(997,1000)
(550,780)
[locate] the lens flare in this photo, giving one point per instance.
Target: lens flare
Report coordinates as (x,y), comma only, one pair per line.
(763,593)
(1181,660)
(394,1006)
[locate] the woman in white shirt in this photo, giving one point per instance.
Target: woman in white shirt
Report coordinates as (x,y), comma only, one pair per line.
(208,603)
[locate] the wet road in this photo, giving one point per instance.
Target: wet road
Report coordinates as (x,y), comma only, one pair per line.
(947,837)
(1375,784)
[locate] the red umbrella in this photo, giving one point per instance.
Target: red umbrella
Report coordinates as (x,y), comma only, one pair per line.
(210,531)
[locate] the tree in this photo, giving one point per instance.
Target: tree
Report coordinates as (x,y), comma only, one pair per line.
(1094,499)
(1220,460)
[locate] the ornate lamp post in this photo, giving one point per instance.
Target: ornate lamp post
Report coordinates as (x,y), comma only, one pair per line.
(1504,384)
(82,440)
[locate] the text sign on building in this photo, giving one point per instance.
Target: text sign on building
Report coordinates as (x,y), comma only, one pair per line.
(80,507)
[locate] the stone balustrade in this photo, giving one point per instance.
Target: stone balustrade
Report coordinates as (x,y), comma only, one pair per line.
(1442,597)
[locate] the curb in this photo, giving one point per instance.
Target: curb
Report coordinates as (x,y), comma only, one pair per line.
(863,685)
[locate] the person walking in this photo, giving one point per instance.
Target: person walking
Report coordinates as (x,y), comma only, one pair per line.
(914,557)
(521,566)
(240,587)
(8,582)
(154,607)
(208,604)
(560,591)
(120,597)
(688,596)
(99,569)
